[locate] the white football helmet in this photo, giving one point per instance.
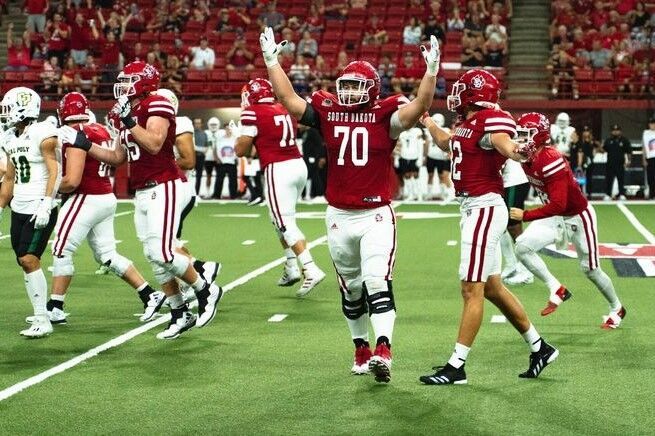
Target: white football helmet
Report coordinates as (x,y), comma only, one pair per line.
(439,119)
(92,116)
(19,104)
(563,120)
(170,96)
(213,124)
(52,120)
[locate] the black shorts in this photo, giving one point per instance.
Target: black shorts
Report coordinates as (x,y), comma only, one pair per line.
(25,239)
(187,208)
(407,166)
(209,167)
(515,197)
(440,164)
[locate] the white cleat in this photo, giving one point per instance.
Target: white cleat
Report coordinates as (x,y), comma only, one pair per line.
(290,276)
(520,278)
(311,280)
(180,323)
(40,328)
(56,316)
(208,300)
(155,302)
(508,272)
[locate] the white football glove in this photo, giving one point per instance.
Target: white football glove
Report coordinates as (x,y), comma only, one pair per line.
(123,108)
(42,215)
(270,49)
(432,57)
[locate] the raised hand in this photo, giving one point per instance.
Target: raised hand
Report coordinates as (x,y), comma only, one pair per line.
(432,57)
(270,49)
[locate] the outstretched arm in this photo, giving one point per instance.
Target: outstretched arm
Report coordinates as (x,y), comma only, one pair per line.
(409,114)
(507,147)
(285,93)
(440,137)
(77,139)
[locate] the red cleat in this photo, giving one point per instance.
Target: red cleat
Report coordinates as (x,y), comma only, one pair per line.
(362,357)
(380,364)
(561,295)
(613,320)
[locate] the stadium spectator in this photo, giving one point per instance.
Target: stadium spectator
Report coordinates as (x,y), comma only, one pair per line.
(88,76)
(68,80)
(496,31)
(473,29)
(619,152)
(151,59)
(18,50)
(300,75)
(561,65)
(494,53)
(172,75)
(504,9)
(648,156)
(174,21)
(640,17)
(36,15)
(583,151)
(307,46)
(321,74)
(624,73)
(110,53)
(412,32)
(386,71)
(157,21)
(57,34)
(203,56)
(455,22)
(161,56)
(336,11)
(472,54)
(598,57)
(226,164)
(408,75)
(271,18)
(599,15)
(50,75)
(342,62)
(135,53)
(477,8)
(358,4)
(114,24)
(374,33)
(233,20)
(433,28)
(436,9)
(239,57)
(313,21)
(643,77)
(80,38)
(289,50)
(135,21)
(198,18)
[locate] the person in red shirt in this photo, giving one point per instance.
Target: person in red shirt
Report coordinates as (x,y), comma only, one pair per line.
(18,51)
(360,131)
(57,34)
(599,16)
(68,80)
(110,49)
(408,75)
(375,33)
(36,10)
(268,124)
(88,214)
(565,215)
(146,138)
(80,38)
(88,76)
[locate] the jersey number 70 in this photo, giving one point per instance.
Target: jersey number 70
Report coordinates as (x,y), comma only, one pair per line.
(356,137)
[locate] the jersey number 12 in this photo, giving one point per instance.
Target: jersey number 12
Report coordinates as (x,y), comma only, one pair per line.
(457,159)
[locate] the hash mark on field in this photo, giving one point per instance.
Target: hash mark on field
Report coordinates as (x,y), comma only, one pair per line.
(278,317)
(636,224)
(498,319)
(18,387)
(248,242)
(451,243)
(127,212)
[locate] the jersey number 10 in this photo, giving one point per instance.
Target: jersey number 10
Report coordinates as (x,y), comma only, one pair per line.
(22,169)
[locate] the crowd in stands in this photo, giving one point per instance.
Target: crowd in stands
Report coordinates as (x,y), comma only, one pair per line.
(602,48)
(206,47)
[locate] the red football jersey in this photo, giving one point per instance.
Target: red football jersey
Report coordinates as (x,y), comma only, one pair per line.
(550,174)
(95,178)
(274,131)
(475,170)
(358,150)
(148,168)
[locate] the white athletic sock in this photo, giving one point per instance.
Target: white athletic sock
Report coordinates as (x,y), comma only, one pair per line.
(57,297)
(383,324)
(430,192)
(199,284)
(532,338)
(306,260)
(37,290)
(459,356)
(606,287)
(507,249)
(142,287)
(415,188)
(538,267)
(291,258)
(358,327)
(176,301)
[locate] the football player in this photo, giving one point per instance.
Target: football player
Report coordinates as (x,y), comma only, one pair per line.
(563,134)
(516,188)
(88,213)
(565,212)
(213,132)
(30,183)
(410,143)
(481,143)
(147,135)
(268,124)
(360,131)
(439,160)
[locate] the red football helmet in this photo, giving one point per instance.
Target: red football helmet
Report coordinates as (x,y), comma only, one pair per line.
(136,79)
(257,91)
(533,131)
(478,87)
(113,122)
(73,107)
(358,84)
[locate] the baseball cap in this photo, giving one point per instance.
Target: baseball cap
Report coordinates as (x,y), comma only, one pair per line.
(616,127)
(651,119)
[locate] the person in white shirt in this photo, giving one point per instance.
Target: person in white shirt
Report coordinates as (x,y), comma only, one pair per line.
(439,159)
(411,143)
(226,162)
(213,132)
(562,134)
(203,56)
(648,141)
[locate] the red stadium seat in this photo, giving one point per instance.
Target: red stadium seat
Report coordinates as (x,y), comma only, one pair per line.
(196,76)
(586,88)
(605,89)
(167,37)
(129,38)
(238,76)
(352,36)
(13,76)
(584,74)
(36,64)
(194,88)
(454,37)
(604,75)
(218,75)
(220,62)
(149,37)
(195,26)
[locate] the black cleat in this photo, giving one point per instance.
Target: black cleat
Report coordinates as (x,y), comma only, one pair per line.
(540,359)
(445,375)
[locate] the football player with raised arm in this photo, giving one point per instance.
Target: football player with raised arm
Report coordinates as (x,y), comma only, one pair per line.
(30,183)
(146,139)
(267,124)
(566,214)
(360,131)
(480,145)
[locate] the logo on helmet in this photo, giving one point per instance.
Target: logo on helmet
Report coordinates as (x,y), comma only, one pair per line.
(149,71)
(255,86)
(477,82)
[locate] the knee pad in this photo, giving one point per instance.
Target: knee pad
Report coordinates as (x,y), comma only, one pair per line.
(178,265)
(521,248)
(353,309)
(291,233)
(62,266)
(379,296)
(116,263)
(584,266)
(161,274)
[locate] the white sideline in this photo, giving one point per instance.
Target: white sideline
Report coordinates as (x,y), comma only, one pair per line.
(635,222)
(18,387)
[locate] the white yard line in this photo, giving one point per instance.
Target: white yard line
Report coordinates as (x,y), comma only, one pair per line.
(635,222)
(18,387)
(127,212)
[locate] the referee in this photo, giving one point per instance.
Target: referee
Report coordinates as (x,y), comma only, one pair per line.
(619,152)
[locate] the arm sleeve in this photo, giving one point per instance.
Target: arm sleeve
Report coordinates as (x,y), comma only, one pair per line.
(627,147)
(557,191)
(248,122)
(500,123)
(161,108)
(310,117)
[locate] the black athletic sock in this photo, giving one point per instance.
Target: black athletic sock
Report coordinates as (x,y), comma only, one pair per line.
(198,265)
(144,294)
(359,343)
(51,304)
(383,340)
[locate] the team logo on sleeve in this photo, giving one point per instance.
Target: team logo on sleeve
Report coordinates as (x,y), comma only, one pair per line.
(378,218)
(477,82)
(327,102)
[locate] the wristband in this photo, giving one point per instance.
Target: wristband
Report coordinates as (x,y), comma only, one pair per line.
(128,122)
